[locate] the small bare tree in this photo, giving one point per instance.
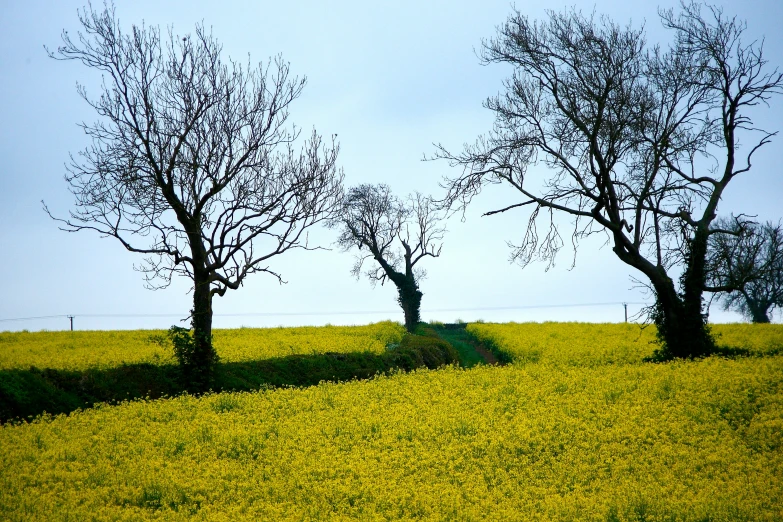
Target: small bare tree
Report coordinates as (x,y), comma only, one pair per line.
(640,144)
(745,268)
(192,162)
(396,234)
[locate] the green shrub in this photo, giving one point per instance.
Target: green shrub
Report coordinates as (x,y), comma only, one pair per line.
(197,360)
(428,350)
(425,330)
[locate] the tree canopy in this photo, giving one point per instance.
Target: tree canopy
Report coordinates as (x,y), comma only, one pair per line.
(193,161)
(395,234)
(636,142)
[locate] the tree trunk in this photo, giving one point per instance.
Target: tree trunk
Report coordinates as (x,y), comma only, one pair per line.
(682,325)
(410,301)
(408,293)
(670,320)
(200,367)
(758,312)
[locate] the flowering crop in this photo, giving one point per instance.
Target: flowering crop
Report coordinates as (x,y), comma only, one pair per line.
(588,344)
(603,438)
(758,338)
(91,349)
(683,441)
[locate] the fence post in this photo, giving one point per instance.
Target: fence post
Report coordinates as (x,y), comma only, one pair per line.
(625,305)
(71,318)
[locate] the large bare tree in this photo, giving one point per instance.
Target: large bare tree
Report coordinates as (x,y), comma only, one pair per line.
(192,161)
(633,141)
(745,268)
(395,235)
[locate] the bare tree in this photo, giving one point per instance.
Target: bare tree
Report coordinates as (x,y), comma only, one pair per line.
(396,234)
(745,268)
(192,162)
(640,144)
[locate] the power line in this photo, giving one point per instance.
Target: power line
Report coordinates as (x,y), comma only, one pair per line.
(528,307)
(344,312)
(128,315)
(31,318)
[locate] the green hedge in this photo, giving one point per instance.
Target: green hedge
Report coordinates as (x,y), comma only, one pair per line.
(28,393)
(425,350)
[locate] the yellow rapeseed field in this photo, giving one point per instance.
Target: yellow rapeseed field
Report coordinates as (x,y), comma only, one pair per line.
(605,439)
(99,349)
(685,441)
(590,344)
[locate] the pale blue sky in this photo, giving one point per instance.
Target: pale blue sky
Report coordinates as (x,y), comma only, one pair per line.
(390,79)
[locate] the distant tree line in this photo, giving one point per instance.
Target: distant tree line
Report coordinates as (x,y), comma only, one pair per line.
(194,165)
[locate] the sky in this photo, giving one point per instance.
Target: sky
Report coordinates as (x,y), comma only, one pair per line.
(390,79)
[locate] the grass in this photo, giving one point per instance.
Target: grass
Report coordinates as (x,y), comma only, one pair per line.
(463,342)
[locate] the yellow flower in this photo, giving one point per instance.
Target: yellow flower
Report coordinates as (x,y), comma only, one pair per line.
(586,432)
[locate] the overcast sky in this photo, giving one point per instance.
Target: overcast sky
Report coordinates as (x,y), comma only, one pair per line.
(389,78)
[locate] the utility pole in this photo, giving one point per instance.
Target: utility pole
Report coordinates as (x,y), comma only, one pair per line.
(625,305)
(71,318)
